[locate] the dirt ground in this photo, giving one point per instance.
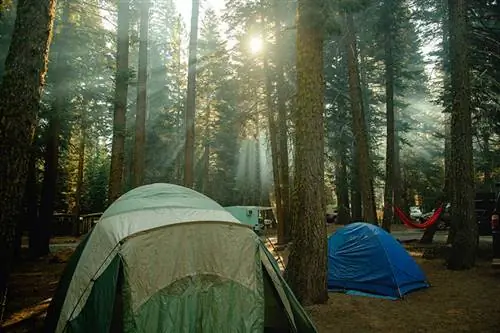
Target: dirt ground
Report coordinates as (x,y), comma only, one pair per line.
(32,285)
(466,301)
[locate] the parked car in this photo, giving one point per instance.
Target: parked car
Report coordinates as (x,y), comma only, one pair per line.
(495,233)
(415,213)
(484,206)
(444,219)
(332,216)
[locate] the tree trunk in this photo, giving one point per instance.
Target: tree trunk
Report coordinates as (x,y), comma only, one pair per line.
(359,127)
(389,105)
(206,169)
(79,179)
(206,153)
(463,251)
(31,202)
(342,185)
(141,107)
(428,235)
(342,182)
(120,103)
(257,180)
(398,188)
(284,170)
(307,266)
(447,99)
(190,115)
(49,185)
(275,155)
(30,213)
(356,210)
(487,164)
(20,92)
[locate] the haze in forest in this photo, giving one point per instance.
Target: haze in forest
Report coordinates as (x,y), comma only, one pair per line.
(372,109)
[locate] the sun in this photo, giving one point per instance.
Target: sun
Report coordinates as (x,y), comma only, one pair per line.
(255,45)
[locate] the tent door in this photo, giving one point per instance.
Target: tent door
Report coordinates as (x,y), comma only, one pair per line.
(117,319)
(275,318)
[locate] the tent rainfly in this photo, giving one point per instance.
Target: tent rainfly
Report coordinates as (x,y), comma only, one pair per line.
(164,258)
(365,259)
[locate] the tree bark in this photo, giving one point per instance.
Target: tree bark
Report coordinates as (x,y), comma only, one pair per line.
(141,107)
(284,170)
(342,186)
(20,93)
(398,189)
(49,185)
(31,202)
(257,180)
(206,153)
(275,155)
(190,115)
(307,266)
(359,126)
(356,210)
(120,102)
(79,178)
(487,164)
(463,251)
(389,105)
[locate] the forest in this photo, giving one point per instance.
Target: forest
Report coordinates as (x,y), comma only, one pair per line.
(370,107)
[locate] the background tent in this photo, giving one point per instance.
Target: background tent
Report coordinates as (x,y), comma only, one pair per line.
(164,258)
(365,258)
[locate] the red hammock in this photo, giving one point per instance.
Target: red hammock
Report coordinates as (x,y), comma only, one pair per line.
(409,223)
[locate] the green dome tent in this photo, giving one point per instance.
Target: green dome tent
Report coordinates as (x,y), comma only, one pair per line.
(164,258)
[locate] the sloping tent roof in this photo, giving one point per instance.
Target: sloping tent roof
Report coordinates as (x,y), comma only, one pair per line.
(152,251)
(365,258)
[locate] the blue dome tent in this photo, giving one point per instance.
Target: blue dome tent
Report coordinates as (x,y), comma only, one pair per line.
(363,258)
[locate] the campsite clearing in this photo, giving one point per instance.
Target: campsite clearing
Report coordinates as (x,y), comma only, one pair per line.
(456,302)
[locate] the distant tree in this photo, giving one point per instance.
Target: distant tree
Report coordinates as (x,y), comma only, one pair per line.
(141,105)
(388,21)
(190,113)
(20,93)
(120,102)
(362,148)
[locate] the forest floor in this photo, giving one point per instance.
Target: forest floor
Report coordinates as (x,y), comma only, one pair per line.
(461,301)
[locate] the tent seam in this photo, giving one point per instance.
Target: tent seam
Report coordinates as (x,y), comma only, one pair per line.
(393,276)
(91,282)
